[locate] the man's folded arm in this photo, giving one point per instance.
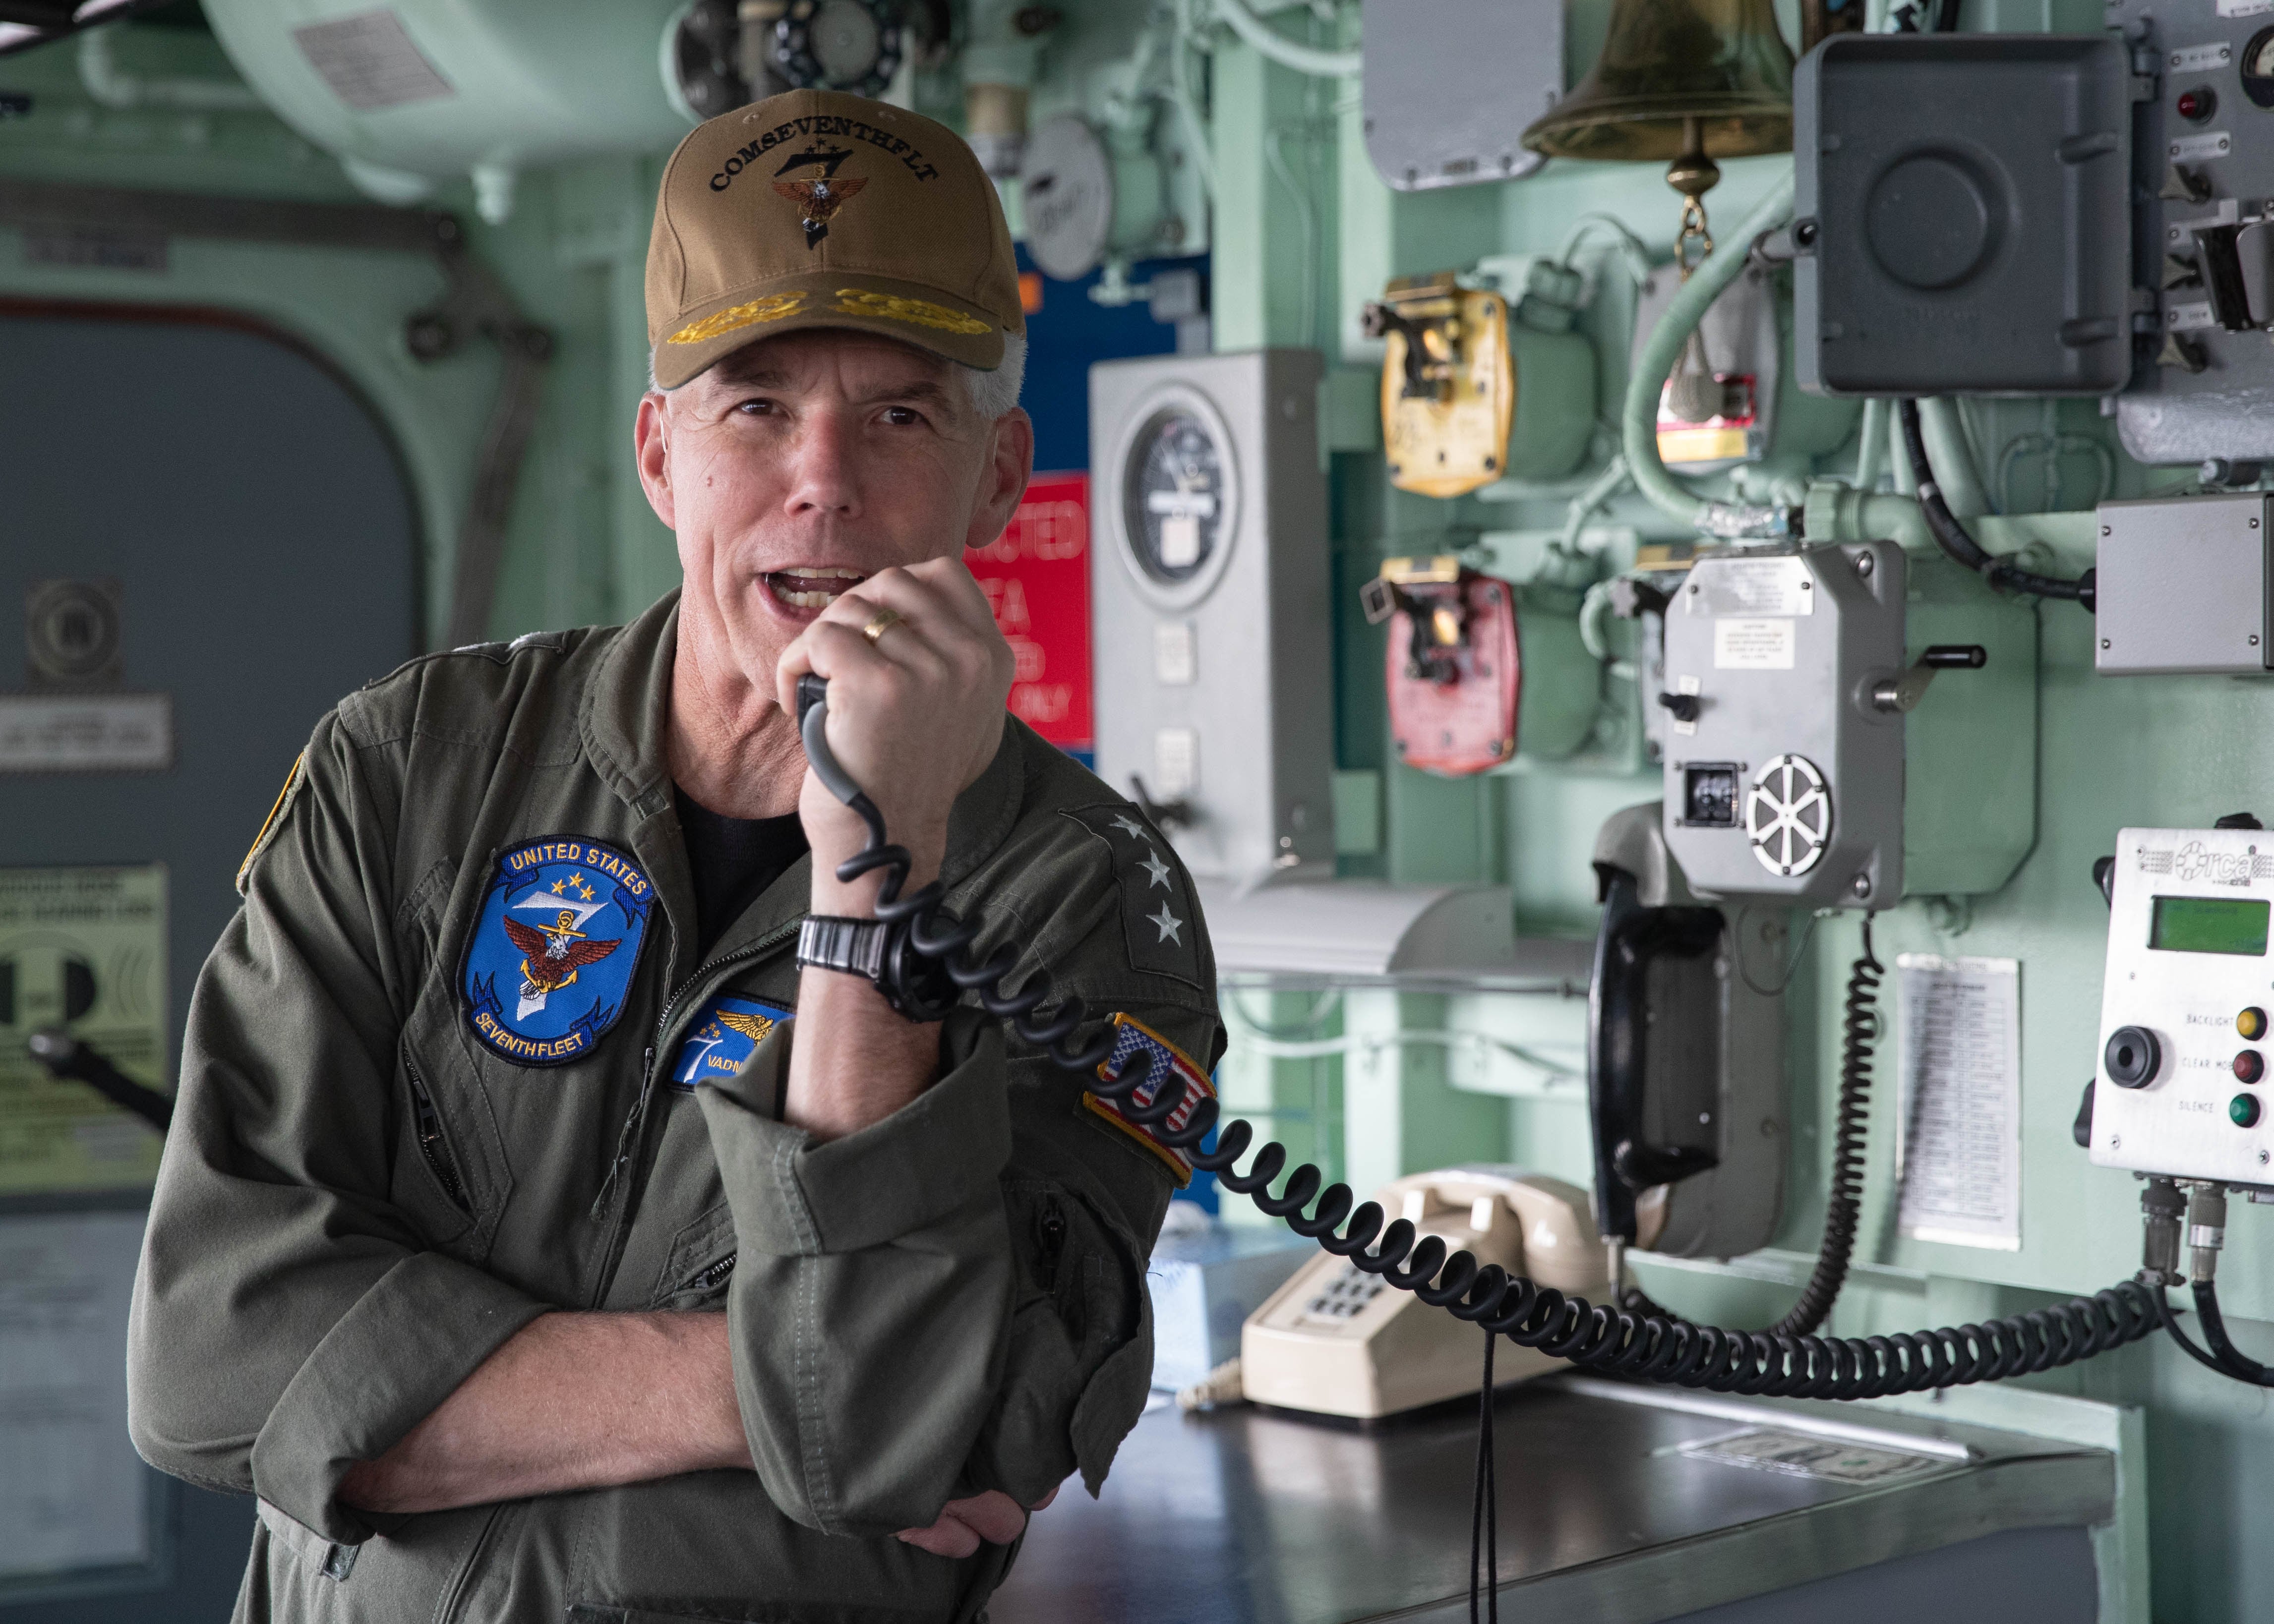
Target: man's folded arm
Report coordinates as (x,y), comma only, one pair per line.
(927,1308)
(288,1320)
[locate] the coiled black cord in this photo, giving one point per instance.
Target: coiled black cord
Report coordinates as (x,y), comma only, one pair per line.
(1655,1346)
(1951,536)
(1843,1201)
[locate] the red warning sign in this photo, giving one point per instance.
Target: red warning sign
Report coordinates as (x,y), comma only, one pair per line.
(1036,576)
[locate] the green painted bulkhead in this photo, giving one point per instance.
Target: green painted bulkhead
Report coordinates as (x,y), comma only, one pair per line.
(2019,775)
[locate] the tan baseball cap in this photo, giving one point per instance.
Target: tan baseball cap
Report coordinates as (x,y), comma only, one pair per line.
(820,209)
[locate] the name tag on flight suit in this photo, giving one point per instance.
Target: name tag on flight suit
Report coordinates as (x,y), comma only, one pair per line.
(725,1037)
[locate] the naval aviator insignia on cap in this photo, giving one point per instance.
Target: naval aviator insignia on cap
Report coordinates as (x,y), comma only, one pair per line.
(819,209)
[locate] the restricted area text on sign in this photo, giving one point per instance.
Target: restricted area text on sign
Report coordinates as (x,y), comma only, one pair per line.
(1036,577)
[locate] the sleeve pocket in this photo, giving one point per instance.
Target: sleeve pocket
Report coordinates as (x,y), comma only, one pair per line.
(332,1560)
(1079,1360)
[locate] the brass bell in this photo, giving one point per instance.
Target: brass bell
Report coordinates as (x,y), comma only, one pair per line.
(1683,80)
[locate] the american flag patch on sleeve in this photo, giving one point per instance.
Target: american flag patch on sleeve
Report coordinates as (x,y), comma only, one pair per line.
(1162,1065)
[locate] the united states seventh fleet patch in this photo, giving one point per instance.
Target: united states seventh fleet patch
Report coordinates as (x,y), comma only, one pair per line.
(553,950)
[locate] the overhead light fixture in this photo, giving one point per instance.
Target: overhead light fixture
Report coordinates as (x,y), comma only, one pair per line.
(39,22)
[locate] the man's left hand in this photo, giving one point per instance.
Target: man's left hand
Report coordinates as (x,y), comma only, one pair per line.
(993,1516)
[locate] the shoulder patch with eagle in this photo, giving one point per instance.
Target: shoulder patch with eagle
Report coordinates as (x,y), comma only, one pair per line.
(552,954)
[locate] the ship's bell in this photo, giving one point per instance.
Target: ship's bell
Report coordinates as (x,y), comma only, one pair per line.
(1685,81)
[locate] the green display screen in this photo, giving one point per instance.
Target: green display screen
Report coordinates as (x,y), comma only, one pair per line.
(2209,925)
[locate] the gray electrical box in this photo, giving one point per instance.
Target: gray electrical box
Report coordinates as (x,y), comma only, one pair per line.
(1451,85)
(1811,758)
(2183,584)
(1962,215)
(1782,778)
(2203,170)
(1210,605)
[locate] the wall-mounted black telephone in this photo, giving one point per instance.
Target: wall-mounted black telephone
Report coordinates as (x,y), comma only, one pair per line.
(929,943)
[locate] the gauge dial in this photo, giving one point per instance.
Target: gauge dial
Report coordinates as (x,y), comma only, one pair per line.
(1177,496)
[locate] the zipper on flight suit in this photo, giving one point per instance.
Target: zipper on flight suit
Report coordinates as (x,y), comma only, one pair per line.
(709,1278)
(1052,1228)
(431,1145)
(631,1141)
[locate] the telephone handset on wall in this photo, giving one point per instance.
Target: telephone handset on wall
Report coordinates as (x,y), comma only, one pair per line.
(1685,1056)
(1336,1341)
(929,948)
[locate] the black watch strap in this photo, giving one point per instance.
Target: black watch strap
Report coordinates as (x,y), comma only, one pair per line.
(848,946)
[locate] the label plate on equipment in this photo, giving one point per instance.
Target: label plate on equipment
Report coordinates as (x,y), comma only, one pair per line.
(87,732)
(2198,59)
(1750,587)
(1802,1455)
(84,949)
(1753,645)
(2211,144)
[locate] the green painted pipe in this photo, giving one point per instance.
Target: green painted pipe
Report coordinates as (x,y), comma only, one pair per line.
(1639,424)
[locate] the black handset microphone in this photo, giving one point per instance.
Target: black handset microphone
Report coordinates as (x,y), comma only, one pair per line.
(927,945)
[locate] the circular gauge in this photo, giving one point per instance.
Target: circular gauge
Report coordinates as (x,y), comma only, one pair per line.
(1066,192)
(839,45)
(846,38)
(71,630)
(1177,503)
(2258,68)
(1174,496)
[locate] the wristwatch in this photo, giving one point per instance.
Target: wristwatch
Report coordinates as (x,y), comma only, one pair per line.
(848,946)
(878,951)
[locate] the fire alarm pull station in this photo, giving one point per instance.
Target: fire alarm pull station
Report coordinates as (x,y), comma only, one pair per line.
(1453,670)
(1448,384)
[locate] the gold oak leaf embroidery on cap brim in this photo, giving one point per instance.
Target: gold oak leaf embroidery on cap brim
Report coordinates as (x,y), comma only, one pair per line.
(820,199)
(857,302)
(773,307)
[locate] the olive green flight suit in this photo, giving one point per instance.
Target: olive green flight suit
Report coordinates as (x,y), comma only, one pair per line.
(360,1199)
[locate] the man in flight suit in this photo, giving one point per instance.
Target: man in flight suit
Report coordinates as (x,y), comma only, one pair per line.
(514,1244)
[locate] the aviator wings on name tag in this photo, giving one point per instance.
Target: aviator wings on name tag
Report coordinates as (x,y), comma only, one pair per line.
(724,1037)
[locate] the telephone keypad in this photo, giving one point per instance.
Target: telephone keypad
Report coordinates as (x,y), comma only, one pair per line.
(1344,1296)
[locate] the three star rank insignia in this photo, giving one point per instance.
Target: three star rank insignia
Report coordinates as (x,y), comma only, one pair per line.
(1160,919)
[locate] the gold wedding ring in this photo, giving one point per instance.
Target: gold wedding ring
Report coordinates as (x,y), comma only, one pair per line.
(879,623)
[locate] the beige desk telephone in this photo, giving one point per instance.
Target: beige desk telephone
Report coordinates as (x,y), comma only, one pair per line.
(1337,1341)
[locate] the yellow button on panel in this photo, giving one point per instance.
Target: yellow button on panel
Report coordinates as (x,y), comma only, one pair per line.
(2251,1022)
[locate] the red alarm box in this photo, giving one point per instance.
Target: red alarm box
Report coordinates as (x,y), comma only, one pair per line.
(1454,669)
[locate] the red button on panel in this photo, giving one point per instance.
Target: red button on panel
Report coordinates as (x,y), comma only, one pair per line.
(2249,1066)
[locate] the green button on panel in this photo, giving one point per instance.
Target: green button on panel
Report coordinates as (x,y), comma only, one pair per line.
(2242,1110)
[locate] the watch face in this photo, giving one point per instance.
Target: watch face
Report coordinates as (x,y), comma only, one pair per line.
(1176,496)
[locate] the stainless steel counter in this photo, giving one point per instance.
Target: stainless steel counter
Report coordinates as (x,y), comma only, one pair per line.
(1617,1506)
